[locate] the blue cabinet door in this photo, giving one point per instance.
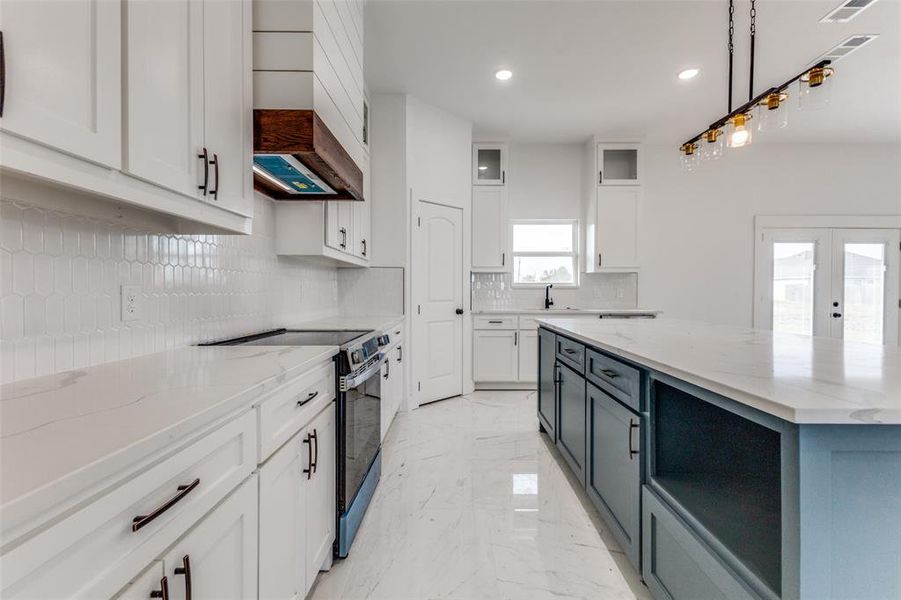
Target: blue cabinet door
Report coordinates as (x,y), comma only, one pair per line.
(547,387)
(571,419)
(613,474)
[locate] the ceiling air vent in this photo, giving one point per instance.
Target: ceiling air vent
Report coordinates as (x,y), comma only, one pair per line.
(848,46)
(846,11)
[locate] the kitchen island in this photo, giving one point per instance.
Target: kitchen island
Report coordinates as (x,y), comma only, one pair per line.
(732,462)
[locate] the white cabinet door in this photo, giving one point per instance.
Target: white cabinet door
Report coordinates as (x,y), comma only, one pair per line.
(489,164)
(489,227)
(217,559)
(228,102)
(152,580)
(617,228)
(164,87)
(320,505)
(528,356)
(283,488)
(339,219)
(63,75)
(618,164)
(361,217)
(494,355)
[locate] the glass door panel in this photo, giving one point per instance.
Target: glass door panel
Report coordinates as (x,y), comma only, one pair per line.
(864,292)
(793,286)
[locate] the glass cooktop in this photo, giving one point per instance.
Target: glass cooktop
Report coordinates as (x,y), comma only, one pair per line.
(308,338)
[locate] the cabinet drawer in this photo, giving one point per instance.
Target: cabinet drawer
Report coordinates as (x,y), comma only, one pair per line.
(571,353)
(616,378)
(495,322)
(289,408)
(676,565)
(94,551)
(529,323)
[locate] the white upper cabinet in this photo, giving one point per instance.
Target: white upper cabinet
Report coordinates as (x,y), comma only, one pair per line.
(618,164)
(228,99)
(489,164)
(489,228)
(164,114)
(63,75)
(189,100)
(617,227)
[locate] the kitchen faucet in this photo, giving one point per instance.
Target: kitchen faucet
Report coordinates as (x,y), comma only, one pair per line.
(547,296)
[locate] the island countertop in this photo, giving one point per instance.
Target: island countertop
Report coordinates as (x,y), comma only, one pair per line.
(801,379)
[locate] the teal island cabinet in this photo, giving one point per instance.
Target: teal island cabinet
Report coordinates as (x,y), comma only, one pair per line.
(730,462)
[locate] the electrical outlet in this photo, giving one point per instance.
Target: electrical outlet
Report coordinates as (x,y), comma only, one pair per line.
(130,301)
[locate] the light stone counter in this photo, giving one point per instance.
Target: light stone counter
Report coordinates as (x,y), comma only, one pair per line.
(564,312)
(65,432)
(796,378)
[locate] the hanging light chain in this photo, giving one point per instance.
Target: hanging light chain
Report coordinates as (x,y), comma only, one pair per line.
(731,47)
(753,45)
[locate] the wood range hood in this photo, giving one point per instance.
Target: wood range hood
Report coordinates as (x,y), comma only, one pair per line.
(296,157)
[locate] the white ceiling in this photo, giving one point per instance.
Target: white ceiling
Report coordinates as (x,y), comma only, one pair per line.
(609,68)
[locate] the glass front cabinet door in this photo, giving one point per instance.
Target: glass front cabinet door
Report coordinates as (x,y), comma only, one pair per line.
(618,164)
(489,164)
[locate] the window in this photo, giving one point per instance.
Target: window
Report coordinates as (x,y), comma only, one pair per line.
(545,252)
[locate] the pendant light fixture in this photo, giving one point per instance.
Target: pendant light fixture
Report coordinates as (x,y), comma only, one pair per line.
(768,107)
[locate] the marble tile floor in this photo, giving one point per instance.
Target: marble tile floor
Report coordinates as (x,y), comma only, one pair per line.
(474,503)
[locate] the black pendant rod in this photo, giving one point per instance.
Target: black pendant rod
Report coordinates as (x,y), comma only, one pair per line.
(753,44)
(731,47)
(750,103)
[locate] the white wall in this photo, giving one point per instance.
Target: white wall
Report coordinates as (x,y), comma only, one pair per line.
(544,181)
(388,143)
(697,228)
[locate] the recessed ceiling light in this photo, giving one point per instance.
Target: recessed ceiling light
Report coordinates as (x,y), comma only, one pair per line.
(504,74)
(689,73)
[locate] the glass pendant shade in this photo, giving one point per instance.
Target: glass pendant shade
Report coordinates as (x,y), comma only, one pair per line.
(815,88)
(771,114)
(739,132)
(689,158)
(712,144)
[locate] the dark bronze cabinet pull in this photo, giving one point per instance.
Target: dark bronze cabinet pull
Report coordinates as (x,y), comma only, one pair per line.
(163,592)
(493,322)
(206,171)
(364,247)
(309,443)
(215,162)
(610,373)
(185,569)
(316,452)
(400,354)
(2,74)
(183,490)
(632,425)
(387,370)
(343,232)
(309,397)
(569,350)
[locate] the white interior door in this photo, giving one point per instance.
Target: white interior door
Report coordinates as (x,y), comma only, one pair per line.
(864,297)
(841,283)
(437,288)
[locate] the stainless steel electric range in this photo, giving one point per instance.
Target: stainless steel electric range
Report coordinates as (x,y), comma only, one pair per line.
(358,394)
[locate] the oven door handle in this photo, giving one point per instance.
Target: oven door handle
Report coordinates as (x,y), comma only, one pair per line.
(351,381)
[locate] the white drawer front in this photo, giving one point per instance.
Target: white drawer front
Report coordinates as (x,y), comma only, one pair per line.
(294,405)
(506,322)
(94,551)
(530,323)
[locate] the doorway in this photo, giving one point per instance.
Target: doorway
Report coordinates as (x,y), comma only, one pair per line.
(437,301)
(835,282)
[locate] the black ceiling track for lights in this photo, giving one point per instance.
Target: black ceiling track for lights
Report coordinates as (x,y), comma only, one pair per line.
(771,97)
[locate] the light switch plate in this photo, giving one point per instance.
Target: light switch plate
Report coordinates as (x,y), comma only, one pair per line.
(130,301)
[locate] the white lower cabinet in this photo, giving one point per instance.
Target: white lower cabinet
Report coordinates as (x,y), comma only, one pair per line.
(392,387)
(495,355)
(217,559)
(297,510)
(152,583)
(528,355)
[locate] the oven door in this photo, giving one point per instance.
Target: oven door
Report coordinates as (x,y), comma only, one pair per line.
(359,430)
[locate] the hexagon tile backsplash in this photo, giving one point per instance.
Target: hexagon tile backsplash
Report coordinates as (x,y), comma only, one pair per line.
(61,275)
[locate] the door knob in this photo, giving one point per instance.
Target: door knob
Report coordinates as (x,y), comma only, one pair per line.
(459,311)
(836,315)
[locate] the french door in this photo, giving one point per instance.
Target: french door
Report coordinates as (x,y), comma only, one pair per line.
(841,283)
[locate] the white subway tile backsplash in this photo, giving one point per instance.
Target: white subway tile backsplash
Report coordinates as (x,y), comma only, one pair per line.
(60,276)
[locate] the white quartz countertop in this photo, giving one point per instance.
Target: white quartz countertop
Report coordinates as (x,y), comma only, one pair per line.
(377,323)
(564,312)
(797,378)
(64,431)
